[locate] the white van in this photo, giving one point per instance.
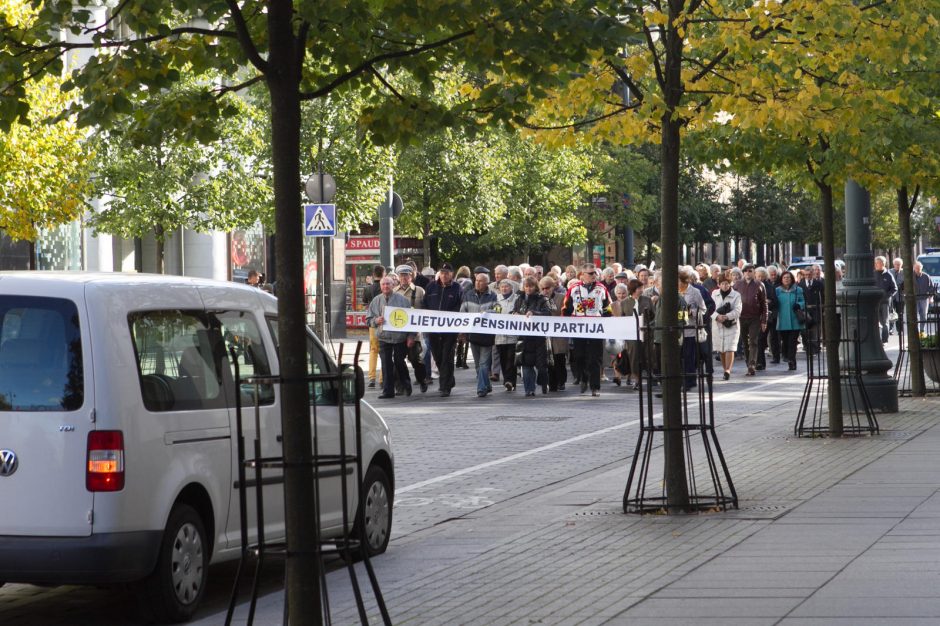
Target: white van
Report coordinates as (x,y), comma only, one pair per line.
(118,456)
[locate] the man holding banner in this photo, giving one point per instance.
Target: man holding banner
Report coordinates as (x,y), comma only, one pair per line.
(444,295)
(588,298)
(393,345)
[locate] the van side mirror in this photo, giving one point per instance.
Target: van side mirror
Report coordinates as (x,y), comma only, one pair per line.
(354,383)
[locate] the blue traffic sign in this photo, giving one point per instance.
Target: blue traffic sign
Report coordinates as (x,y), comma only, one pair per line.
(319,220)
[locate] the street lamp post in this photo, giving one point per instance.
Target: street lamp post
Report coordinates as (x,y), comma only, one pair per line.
(861,297)
(320,189)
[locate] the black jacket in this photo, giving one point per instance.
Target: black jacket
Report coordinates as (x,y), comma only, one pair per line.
(772,305)
(437,297)
(885,281)
(534,351)
(813,295)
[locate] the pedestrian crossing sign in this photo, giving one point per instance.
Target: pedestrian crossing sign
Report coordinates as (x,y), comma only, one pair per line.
(320,220)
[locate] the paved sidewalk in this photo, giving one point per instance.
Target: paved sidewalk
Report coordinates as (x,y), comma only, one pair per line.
(829,532)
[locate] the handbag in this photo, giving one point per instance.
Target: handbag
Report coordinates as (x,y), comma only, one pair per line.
(613,347)
(802,316)
(701,334)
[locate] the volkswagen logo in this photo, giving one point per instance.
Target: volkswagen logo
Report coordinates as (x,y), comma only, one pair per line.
(8,462)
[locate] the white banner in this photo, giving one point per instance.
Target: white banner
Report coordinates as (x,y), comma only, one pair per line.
(488,323)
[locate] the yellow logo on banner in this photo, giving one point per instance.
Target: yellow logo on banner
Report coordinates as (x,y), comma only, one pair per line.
(399,318)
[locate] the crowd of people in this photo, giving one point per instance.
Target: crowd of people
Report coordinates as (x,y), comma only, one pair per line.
(747,312)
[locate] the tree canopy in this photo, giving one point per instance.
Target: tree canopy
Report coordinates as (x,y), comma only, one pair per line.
(44,168)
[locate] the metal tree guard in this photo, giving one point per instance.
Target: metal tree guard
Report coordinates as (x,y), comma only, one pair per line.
(855,400)
(698,427)
(928,328)
(348,547)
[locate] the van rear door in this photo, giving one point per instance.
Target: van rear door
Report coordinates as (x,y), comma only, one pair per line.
(46,410)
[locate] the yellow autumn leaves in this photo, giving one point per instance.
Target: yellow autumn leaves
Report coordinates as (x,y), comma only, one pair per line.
(43,167)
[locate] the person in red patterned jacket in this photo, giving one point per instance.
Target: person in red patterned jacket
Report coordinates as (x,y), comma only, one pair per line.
(587,298)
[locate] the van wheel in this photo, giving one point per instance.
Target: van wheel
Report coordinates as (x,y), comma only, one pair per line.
(173,591)
(374,516)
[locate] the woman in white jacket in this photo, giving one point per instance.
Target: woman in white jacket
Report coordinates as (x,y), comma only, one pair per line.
(725,328)
(506,344)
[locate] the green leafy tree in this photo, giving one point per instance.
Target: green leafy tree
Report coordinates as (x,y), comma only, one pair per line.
(450,186)
(544,191)
(179,182)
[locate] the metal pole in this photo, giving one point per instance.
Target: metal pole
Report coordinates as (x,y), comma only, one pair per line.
(628,253)
(387,230)
(324,270)
(859,287)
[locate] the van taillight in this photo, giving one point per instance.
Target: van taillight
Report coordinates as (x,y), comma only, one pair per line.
(105,470)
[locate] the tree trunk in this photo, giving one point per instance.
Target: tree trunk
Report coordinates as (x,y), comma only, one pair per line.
(283,81)
(675,479)
(426,233)
(32,262)
(160,252)
(916,358)
(830,320)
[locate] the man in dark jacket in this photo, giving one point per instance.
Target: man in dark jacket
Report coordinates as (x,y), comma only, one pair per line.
(885,282)
(813,290)
(897,302)
(773,312)
(753,318)
(480,298)
(444,294)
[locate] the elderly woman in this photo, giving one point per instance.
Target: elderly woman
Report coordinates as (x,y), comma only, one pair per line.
(534,354)
(506,344)
(689,316)
(571,273)
(790,298)
(695,309)
(557,366)
(725,328)
(627,305)
(644,310)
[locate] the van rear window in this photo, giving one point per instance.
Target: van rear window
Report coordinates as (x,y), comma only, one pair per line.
(40,355)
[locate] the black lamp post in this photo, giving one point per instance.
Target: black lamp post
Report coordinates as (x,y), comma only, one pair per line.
(861,298)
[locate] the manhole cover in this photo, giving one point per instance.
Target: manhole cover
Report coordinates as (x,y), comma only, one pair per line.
(530,418)
(597,513)
(765,507)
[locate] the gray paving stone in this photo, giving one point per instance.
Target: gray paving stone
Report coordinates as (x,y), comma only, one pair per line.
(698,608)
(884,607)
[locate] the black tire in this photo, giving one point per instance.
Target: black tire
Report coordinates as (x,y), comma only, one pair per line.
(374,514)
(173,591)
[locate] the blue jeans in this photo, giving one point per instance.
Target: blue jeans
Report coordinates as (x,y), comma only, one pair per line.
(529,377)
(481,359)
